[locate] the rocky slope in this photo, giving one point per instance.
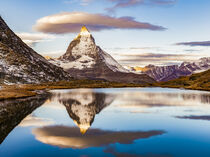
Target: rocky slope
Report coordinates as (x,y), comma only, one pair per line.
(21,64)
(85,60)
(166,73)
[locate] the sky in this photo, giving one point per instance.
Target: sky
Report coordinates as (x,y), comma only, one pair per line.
(134,32)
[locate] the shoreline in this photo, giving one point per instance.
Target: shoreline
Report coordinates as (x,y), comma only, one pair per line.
(28,90)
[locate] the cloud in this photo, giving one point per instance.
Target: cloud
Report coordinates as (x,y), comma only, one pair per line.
(157,55)
(81,2)
(35,121)
(70,137)
(70,22)
(130,3)
(112,150)
(155,58)
(203,117)
(32,39)
(85,2)
(140,101)
(196,43)
(53,54)
(162,2)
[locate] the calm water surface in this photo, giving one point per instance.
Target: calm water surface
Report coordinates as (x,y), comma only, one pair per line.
(145,122)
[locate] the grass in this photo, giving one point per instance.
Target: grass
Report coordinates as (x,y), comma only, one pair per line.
(15,93)
(26,90)
(199,81)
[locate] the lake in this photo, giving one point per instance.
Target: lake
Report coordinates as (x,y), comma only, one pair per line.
(121,122)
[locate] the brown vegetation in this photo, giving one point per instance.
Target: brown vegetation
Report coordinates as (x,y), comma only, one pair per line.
(15,93)
(199,81)
(24,90)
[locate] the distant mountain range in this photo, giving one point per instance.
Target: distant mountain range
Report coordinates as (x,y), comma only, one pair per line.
(21,64)
(85,60)
(199,81)
(166,73)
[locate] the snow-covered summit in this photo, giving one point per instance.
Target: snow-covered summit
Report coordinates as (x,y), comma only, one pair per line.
(81,50)
(85,60)
(84,53)
(84,32)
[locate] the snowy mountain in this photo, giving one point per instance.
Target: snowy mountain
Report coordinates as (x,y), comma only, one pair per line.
(21,64)
(166,73)
(85,60)
(83,104)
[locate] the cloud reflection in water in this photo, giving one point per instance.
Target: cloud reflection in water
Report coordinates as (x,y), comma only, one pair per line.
(69,137)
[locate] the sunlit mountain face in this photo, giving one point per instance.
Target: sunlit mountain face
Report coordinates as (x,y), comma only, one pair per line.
(107,122)
(86,60)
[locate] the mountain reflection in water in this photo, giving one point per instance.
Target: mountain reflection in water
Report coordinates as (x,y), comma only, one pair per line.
(12,112)
(117,120)
(82,106)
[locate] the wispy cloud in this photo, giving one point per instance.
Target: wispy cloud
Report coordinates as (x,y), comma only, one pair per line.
(81,2)
(32,39)
(85,2)
(196,43)
(196,117)
(157,55)
(123,3)
(69,22)
(130,3)
(155,58)
(112,150)
(35,121)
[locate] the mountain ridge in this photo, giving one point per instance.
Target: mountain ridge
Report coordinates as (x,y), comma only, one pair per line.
(198,81)
(166,73)
(21,64)
(85,60)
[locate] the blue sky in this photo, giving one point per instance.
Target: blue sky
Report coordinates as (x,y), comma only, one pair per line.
(186,22)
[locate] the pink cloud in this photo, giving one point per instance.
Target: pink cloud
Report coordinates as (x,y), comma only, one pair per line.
(129,3)
(69,22)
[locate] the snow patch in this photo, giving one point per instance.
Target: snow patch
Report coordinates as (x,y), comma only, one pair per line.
(86,46)
(112,63)
(81,63)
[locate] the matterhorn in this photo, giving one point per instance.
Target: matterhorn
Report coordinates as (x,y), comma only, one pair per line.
(85,60)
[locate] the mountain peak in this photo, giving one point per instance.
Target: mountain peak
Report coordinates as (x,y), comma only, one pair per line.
(84,31)
(83,127)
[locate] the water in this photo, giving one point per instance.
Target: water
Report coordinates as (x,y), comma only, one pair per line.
(107,122)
